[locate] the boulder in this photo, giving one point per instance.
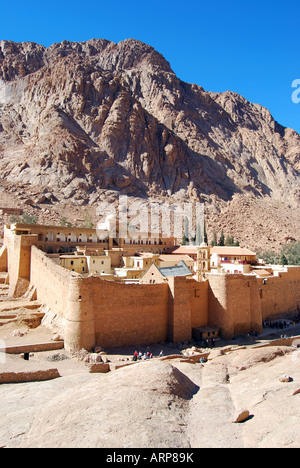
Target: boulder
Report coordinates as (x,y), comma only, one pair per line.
(99,368)
(240,416)
(285,378)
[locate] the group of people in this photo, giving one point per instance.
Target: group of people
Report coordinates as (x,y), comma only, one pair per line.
(208,343)
(278,324)
(137,356)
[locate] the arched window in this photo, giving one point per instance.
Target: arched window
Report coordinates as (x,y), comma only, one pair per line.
(49,236)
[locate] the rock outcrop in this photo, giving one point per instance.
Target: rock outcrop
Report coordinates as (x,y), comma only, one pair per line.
(80,120)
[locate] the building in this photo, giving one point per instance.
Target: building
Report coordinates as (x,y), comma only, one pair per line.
(165,260)
(89,311)
(203,261)
(62,239)
(190,250)
(86,264)
(233,260)
(77,263)
(156,275)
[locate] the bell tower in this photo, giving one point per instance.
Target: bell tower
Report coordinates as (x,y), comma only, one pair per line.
(203,261)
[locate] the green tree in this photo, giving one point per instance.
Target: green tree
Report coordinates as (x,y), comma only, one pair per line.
(284,260)
(184,240)
(29,219)
(292,253)
(88,222)
(229,241)
(198,239)
(222,239)
(214,242)
(205,234)
(186,235)
(14,219)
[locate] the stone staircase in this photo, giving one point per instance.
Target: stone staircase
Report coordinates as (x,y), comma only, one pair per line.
(4,287)
(12,309)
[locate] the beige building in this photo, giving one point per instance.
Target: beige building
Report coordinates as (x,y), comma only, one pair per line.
(166,260)
(154,274)
(62,239)
(99,264)
(77,263)
(232,260)
(87,264)
(126,274)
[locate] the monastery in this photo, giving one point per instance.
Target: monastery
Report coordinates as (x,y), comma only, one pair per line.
(102,289)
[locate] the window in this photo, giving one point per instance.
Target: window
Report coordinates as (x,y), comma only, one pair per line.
(72,262)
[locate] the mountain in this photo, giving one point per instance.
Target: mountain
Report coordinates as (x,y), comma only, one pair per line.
(83,122)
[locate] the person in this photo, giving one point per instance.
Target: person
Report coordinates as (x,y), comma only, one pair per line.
(161,353)
(135,356)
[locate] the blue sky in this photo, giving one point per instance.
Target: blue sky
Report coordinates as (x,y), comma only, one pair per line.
(251,48)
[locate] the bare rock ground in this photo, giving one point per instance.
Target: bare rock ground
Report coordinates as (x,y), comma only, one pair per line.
(167,403)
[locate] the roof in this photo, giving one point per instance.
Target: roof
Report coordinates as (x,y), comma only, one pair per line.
(232,251)
(72,257)
(175,257)
(261,272)
(179,270)
(185,250)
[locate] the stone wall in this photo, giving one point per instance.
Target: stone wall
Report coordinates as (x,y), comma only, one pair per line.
(129,313)
(18,262)
(99,312)
(51,282)
(198,298)
(280,295)
(234,304)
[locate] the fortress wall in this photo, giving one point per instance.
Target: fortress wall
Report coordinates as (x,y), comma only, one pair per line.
(280,295)
(51,281)
(179,310)
(243,304)
(198,302)
(19,262)
(127,314)
(218,314)
(234,304)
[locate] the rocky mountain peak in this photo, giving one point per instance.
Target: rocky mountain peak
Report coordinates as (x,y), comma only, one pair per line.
(84,119)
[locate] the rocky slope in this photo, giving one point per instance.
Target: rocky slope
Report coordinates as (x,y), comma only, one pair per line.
(161,404)
(87,121)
